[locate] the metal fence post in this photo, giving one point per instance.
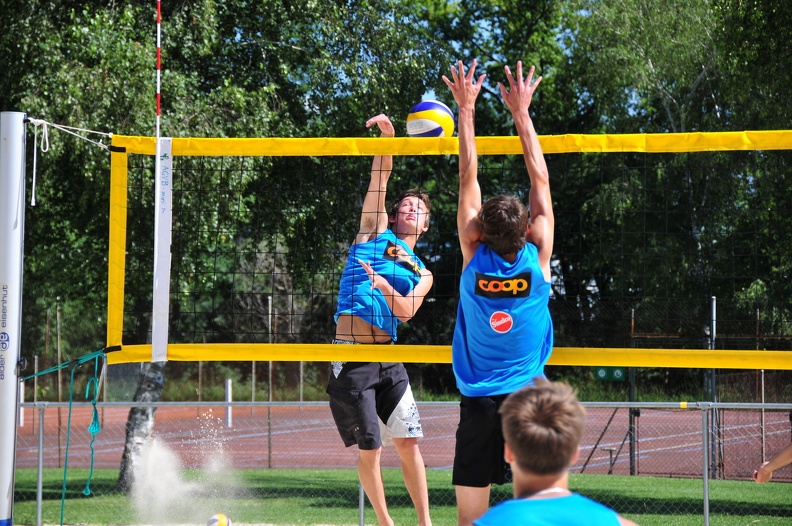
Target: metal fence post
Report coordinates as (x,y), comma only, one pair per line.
(632,429)
(705,408)
(229,396)
(40,465)
(712,379)
(361,505)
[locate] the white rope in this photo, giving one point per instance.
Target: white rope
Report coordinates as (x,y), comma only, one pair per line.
(45,143)
(44,148)
(68,129)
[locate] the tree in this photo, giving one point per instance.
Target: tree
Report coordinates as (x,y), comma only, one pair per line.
(651,63)
(140,422)
(756,42)
(755,38)
(642,66)
(654,66)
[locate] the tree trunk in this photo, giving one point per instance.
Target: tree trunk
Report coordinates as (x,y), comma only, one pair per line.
(140,421)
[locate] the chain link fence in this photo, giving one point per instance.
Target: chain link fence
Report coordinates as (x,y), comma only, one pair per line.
(711,443)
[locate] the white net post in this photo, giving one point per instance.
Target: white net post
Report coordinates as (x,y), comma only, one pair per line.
(12,227)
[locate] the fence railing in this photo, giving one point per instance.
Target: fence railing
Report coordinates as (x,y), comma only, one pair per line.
(701,440)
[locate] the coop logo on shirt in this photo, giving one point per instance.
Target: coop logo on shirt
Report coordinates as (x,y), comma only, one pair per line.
(501,322)
(401,257)
(518,286)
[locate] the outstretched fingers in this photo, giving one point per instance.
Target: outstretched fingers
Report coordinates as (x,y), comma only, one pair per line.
(463,85)
(471,73)
(506,92)
(454,76)
(457,73)
(372,274)
(520,72)
(367,267)
(530,84)
(520,89)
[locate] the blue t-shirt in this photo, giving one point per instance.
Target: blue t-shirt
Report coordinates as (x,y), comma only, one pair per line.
(504,334)
(572,510)
(392,259)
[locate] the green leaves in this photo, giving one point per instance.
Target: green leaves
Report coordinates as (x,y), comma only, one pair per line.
(647,58)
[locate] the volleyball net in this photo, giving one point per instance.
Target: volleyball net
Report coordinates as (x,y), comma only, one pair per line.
(665,255)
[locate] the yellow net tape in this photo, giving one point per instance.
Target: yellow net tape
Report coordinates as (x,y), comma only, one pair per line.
(580,356)
(646,142)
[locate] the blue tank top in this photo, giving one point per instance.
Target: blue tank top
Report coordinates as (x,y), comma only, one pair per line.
(392,259)
(574,510)
(504,334)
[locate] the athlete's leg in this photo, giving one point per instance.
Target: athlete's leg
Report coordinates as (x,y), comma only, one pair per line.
(478,456)
(414,473)
(371,479)
(353,405)
(472,503)
(402,423)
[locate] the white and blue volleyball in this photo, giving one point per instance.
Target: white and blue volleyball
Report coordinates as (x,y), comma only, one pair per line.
(430,118)
(219,519)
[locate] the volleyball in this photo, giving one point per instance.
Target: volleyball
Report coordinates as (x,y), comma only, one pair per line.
(430,118)
(219,520)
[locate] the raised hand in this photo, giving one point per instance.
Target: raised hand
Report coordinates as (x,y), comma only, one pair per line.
(520,92)
(462,86)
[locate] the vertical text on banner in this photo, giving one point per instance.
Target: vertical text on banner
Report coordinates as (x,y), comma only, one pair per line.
(163,220)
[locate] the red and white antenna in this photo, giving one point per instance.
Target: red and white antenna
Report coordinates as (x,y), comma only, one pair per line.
(159,64)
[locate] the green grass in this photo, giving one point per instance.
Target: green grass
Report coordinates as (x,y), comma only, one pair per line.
(303,497)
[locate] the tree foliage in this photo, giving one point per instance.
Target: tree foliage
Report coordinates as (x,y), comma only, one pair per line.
(640,233)
(652,63)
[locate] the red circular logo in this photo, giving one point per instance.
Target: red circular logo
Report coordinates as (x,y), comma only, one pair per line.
(501,322)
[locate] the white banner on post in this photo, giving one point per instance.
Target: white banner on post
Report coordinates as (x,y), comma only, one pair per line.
(163,221)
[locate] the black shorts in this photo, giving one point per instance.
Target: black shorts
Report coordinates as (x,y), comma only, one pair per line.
(478,455)
(366,397)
